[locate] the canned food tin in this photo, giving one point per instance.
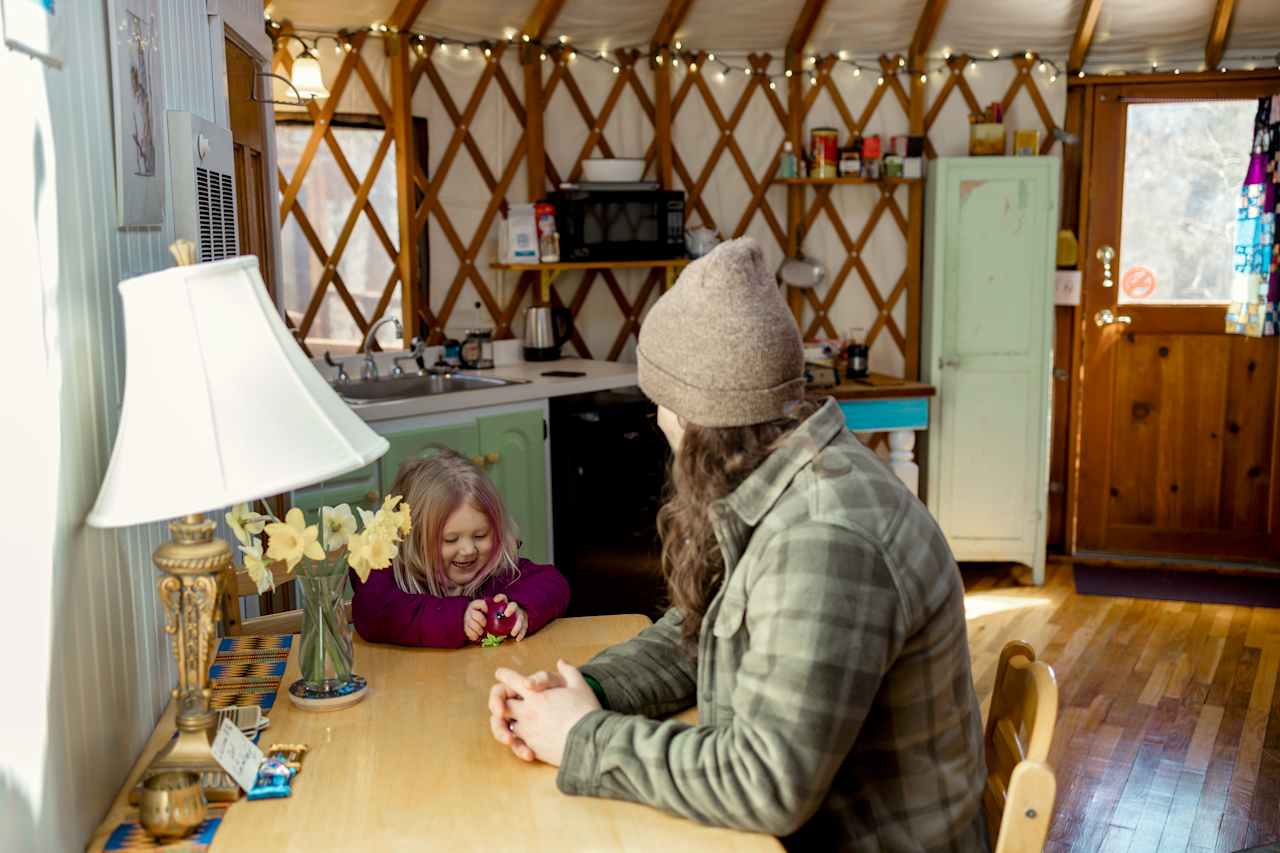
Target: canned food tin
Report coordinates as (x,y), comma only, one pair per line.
(823,144)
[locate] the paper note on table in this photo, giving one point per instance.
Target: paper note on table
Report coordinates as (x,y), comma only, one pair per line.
(238,755)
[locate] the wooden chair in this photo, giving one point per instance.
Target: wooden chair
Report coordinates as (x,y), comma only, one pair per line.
(1018,800)
(237,585)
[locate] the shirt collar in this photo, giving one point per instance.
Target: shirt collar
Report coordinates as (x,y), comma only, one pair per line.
(764,486)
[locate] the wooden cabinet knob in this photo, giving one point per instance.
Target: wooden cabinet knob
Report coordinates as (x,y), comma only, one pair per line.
(371,497)
(477,460)
(491,458)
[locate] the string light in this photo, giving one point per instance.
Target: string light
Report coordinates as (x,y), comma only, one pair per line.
(924,78)
(901,62)
(880,81)
(679,45)
(524,37)
(466,51)
(1027,56)
(995,53)
(487,53)
(1177,71)
(543,56)
(564,39)
(787,73)
(617,70)
(773,85)
(693,66)
(711,57)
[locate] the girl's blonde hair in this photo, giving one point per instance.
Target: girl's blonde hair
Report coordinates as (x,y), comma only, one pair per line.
(434,487)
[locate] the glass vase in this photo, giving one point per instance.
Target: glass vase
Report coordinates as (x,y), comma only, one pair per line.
(325,652)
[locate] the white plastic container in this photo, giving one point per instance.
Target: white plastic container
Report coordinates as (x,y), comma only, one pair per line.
(613,169)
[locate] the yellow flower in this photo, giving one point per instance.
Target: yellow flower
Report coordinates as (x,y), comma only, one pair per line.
(338,524)
(245,523)
(370,549)
(404,523)
(259,569)
(291,540)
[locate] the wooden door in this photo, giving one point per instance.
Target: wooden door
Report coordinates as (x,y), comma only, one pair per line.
(1177,442)
(249,140)
(514,448)
(990,266)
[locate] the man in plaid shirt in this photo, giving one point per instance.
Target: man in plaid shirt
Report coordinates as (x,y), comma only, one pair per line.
(831,668)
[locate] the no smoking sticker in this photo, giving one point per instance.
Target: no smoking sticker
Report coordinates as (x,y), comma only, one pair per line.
(1138,282)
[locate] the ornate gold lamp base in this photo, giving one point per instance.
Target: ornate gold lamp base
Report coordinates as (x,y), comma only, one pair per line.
(193,564)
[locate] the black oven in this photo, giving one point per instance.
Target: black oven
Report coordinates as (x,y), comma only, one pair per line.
(619,225)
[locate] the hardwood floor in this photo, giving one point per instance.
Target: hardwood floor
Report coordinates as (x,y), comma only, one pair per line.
(1168,735)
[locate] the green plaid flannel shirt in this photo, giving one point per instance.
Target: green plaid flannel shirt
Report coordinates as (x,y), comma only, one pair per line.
(831,676)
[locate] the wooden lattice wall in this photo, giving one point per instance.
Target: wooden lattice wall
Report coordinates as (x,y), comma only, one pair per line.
(695,98)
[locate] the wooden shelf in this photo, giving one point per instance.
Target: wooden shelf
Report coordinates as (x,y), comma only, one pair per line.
(848,180)
(669,263)
(547,272)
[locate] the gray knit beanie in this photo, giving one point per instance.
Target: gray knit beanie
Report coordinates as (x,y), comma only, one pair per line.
(721,347)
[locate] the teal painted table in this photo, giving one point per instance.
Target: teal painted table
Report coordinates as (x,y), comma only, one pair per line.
(896,406)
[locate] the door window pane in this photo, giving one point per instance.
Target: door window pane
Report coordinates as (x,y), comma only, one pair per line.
(1183,167)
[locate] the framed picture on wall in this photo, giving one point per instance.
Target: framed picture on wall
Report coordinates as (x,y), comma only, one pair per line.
(35,28)
(138,110)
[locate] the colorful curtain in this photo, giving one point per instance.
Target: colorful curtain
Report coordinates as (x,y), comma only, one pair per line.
(1255,283)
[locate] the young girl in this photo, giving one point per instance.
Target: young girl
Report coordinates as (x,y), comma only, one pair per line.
(462,549)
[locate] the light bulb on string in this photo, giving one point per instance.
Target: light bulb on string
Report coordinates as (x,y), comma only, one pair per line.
(813,81)
(542,56)
(658,59)
(563,39)
(1041,67)
(675,62)
(1177,71)
(901,62)
(880,81)
(487,53)
(787,73)
(679,45)
(466,51)
(946,53)
(857,72)
(693,66)
(1080,73)
(617,70)
(1053,78)
(995,53)
(924,78)
(711,57)
(1027,56)
(773,85)
(524,37)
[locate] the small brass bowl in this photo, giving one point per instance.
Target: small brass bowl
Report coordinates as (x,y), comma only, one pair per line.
(172,804)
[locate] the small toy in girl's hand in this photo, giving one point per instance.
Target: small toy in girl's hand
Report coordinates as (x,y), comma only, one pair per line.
(499,622)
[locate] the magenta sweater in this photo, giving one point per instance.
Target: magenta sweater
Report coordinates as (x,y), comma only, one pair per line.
(383,613)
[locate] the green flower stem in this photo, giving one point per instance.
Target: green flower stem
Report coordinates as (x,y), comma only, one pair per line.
(326,651)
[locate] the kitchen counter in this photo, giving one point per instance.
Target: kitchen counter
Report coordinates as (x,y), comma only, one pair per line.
(599,376)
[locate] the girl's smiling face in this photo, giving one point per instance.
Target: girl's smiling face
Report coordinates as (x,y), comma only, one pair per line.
(466,543)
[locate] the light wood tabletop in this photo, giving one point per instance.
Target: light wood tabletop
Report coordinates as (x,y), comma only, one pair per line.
(414,767)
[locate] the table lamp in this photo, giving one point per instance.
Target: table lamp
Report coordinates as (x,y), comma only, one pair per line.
(221,406)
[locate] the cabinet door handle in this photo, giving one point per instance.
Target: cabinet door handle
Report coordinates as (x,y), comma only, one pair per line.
(477,460)
(371,496)
(491,458)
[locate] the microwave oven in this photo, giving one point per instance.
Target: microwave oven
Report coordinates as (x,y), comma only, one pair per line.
(619,224)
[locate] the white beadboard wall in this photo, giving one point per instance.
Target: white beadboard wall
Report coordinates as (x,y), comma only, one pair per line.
(84,635)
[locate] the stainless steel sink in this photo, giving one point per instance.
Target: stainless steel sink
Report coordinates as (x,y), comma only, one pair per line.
(428,385)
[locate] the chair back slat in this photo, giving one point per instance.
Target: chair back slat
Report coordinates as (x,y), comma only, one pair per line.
(1018,798)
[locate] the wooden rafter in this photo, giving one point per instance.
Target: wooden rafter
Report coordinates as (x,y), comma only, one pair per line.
(539,22)
(1084,35)
(803,29)
(672,18)
(1219,29)
(405,13)
(930,17)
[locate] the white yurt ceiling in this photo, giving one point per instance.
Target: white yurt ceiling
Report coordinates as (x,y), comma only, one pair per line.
(1129,34)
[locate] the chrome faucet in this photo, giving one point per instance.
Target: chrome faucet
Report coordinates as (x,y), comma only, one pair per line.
(369,370)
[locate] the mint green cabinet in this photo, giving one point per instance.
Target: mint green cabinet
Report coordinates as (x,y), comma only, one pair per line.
(424,441)
(357,488)
(513,448)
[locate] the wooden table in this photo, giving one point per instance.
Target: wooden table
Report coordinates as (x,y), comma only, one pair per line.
(414,767)
(885,404)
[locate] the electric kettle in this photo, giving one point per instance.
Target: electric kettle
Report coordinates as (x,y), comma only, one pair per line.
(546,329)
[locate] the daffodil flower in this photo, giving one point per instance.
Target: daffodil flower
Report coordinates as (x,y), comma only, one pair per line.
(258,568)
(338,525)
(292,539)
(368,550)
(244,522)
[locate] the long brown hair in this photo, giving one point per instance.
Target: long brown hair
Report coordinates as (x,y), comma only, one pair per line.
(710,464)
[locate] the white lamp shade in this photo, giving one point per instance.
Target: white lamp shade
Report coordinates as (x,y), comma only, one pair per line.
(220,403)
(306,77)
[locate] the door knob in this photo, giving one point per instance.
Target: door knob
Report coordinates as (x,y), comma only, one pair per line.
(1107,317)
(371,496)
(1106,254)
(477,460)
(491,458)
